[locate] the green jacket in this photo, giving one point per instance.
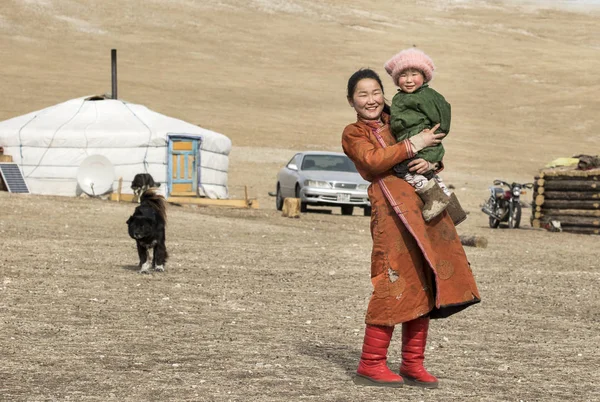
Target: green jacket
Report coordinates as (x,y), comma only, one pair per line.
(412,113)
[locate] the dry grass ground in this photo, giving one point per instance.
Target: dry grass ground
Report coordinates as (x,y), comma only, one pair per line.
(254,306)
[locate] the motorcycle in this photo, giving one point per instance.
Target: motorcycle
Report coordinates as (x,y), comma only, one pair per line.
(505,205)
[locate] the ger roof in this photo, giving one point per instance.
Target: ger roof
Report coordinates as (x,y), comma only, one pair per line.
(98,122)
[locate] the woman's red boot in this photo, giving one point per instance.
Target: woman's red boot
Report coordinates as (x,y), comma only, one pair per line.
(414,340)
(372,368)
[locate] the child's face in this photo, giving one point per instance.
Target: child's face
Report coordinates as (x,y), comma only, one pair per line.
(410,80)
(367,99)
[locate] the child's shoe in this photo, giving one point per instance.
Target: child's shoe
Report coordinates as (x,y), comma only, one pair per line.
(434,198)
(455,211)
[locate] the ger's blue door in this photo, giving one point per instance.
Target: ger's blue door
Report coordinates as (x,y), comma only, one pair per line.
(183,166)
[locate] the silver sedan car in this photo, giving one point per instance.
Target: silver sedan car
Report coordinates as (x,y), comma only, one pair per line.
(323,179)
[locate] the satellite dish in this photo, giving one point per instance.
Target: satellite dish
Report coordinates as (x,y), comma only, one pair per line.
(95,175)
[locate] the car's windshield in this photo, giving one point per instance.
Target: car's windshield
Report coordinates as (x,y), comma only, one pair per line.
(330,163)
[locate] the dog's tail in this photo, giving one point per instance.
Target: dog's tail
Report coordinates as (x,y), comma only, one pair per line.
(157,202)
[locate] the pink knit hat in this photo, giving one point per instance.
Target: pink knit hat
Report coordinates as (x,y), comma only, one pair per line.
(410,58)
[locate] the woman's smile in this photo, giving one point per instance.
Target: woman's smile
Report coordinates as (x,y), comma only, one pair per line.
(368,99)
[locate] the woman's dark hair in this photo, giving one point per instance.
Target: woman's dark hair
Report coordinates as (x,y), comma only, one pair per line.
(361,75)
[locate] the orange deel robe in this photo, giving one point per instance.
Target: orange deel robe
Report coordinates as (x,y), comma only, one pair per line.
(417,268)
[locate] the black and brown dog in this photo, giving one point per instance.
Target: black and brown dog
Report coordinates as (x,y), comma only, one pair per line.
(142,182)
(147,226)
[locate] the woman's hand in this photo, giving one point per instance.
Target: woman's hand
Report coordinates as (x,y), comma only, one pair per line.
(426,138)
(419,166)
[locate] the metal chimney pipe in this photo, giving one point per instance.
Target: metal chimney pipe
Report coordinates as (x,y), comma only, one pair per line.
(113,60)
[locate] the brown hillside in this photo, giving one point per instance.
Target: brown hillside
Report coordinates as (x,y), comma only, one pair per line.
(271,74)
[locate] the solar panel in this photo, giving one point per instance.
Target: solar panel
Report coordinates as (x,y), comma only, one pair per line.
(12,177)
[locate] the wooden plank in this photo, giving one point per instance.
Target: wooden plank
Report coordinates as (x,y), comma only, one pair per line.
(252,203)
(572,212)
(567,220)
(182,145)
(539,199)
(570,185)
(183,194)
(571,195)
(583,175)
(6,158)
(536,223)
(591,174)
(568,204)
(581,230)
(182,187)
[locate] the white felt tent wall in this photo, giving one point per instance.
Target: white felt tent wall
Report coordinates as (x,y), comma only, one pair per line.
(49,145)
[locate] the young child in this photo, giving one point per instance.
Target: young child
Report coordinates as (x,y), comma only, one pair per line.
(416,107)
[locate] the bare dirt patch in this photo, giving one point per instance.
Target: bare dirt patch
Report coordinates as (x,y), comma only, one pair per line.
(254,306)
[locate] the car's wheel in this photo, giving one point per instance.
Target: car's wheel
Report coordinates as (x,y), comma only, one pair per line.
(347,209)
(302,204)
(278,199)
(367,211)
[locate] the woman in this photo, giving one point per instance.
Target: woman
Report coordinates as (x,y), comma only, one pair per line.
(418,270)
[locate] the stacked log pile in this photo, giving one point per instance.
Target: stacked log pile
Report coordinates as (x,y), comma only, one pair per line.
(568,196)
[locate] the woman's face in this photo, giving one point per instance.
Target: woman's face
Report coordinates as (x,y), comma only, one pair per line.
(410,80)
(367,99)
